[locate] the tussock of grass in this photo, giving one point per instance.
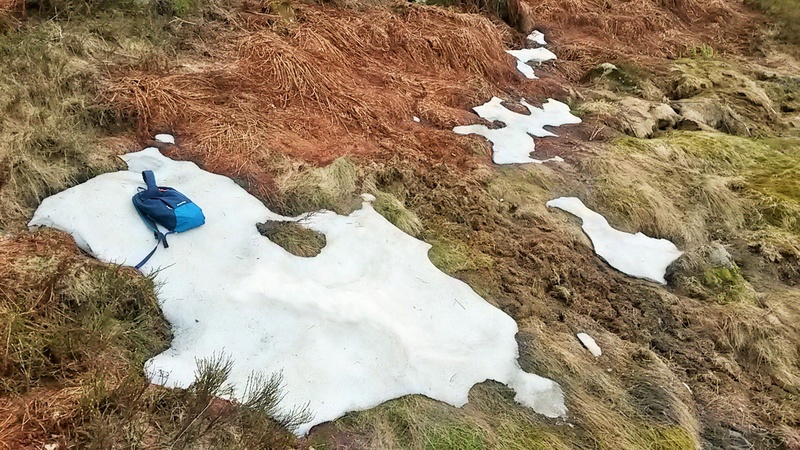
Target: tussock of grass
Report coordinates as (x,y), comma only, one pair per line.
(452,256)
(523,193)
(490,420)
(293,237)
(396,212)
(764,338)
(333,187)
(53,130)
(775,244)
(699,186)
(391,196)
(638,404)
(77,333)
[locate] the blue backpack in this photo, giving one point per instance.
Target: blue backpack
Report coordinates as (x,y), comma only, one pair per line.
(158,205)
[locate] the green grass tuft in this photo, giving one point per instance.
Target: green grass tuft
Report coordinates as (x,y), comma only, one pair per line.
(786,13)
(396,212)
(452,256)
(490,420)
(293,237)
(333,187)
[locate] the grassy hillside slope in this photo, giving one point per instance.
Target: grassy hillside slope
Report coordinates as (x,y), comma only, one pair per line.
(310,104)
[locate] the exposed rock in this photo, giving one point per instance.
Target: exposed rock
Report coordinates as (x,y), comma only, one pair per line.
(625,80)
(638,120)
(709,113)
(737,441)
(643,118)
(665,116)
(709,272)
(606,68)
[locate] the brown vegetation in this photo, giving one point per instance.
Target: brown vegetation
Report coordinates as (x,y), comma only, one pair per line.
(332,83)
(274,96)
(76,335)
(588,33)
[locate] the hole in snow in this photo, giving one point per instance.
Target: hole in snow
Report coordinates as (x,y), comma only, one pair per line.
(293,237)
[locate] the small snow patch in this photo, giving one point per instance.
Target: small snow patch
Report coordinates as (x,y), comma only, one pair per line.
(528,55)
(526,70)
(165,138)
(636,255)
(513,143)
(367,320)
(590,344)
(536,37)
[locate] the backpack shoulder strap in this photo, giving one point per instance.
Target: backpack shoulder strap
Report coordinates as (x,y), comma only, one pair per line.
(148,221)
(160,237)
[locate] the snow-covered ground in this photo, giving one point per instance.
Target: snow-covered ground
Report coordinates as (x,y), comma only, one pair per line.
(636,255)
(367,320)
(513,144)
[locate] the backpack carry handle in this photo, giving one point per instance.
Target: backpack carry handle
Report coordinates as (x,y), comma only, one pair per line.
(149,179)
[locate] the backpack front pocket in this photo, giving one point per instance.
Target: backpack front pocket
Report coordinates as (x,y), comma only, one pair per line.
(188,216)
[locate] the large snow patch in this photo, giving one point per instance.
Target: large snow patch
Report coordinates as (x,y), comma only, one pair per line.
(367,320)
(636,255)
(513,144)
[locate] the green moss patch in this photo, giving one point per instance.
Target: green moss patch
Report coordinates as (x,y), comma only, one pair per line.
(671,438)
